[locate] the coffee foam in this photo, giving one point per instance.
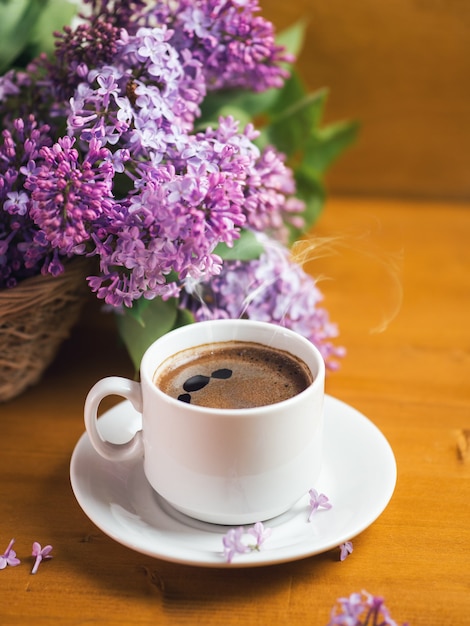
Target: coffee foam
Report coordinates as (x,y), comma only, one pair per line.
(234,374)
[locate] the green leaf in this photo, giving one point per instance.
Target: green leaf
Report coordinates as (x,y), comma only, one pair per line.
(294,116)
(246,248)
(27,26)
(223,102)
(311,190)
(293,38)
(18,19)
(326,144)
(56,15)
(294,97)
(183,318)
(138,329)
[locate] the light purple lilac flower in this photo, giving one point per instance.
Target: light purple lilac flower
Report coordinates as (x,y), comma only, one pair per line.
(346,549)
(234,541)
(216,33)
(235,47)
(317,501)
(68,196)
(188,192)
(272,288)
(9,557)
(361,609)
(20,255)
(102,155)
(177,216)
(133,182)
(144,100)
(260,533)
(269,186)
(40,553)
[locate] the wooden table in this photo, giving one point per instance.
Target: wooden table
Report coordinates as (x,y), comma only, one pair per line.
(412,380)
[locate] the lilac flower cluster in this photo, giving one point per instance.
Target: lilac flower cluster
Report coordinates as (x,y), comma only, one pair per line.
(9,557)
(318,501)
(272,288)
(19,247)
(132,181)
(361,609)
(236,47)
(103,154)
(234,541)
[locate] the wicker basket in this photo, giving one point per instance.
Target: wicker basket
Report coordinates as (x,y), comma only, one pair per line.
(35,317)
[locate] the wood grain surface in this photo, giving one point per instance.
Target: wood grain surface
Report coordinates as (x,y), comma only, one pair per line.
(400,268)
(402,69)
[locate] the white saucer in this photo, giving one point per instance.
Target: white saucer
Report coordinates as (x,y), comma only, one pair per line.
(359,477)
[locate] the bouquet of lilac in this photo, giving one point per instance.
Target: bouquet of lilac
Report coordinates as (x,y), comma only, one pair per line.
(173,143)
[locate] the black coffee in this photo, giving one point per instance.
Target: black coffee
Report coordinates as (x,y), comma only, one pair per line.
(233,375)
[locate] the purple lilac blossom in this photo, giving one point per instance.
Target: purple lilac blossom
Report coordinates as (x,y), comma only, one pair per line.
(346,549)
(233,541)
(40,554)
(92,43)
(233,544)
(317,501)
(172,225)
(9,557)
(236,47)
(145,101)
(269,202)
(260,533)
(271,288)
(19,150)
(67,196)
(361,609)
(138,96)
(109,162)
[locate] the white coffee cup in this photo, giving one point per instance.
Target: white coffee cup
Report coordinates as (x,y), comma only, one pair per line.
(225,466)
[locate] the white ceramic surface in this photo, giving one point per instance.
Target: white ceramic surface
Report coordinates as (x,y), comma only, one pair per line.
(358,476)
(224,466)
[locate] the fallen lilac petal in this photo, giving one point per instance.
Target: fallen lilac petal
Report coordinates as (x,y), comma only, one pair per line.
(260,533)
(40,554)
(9,557)
(345,550)
(233,543)
(317,501)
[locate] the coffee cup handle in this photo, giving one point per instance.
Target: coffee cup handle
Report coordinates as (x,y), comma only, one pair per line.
(113,385)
